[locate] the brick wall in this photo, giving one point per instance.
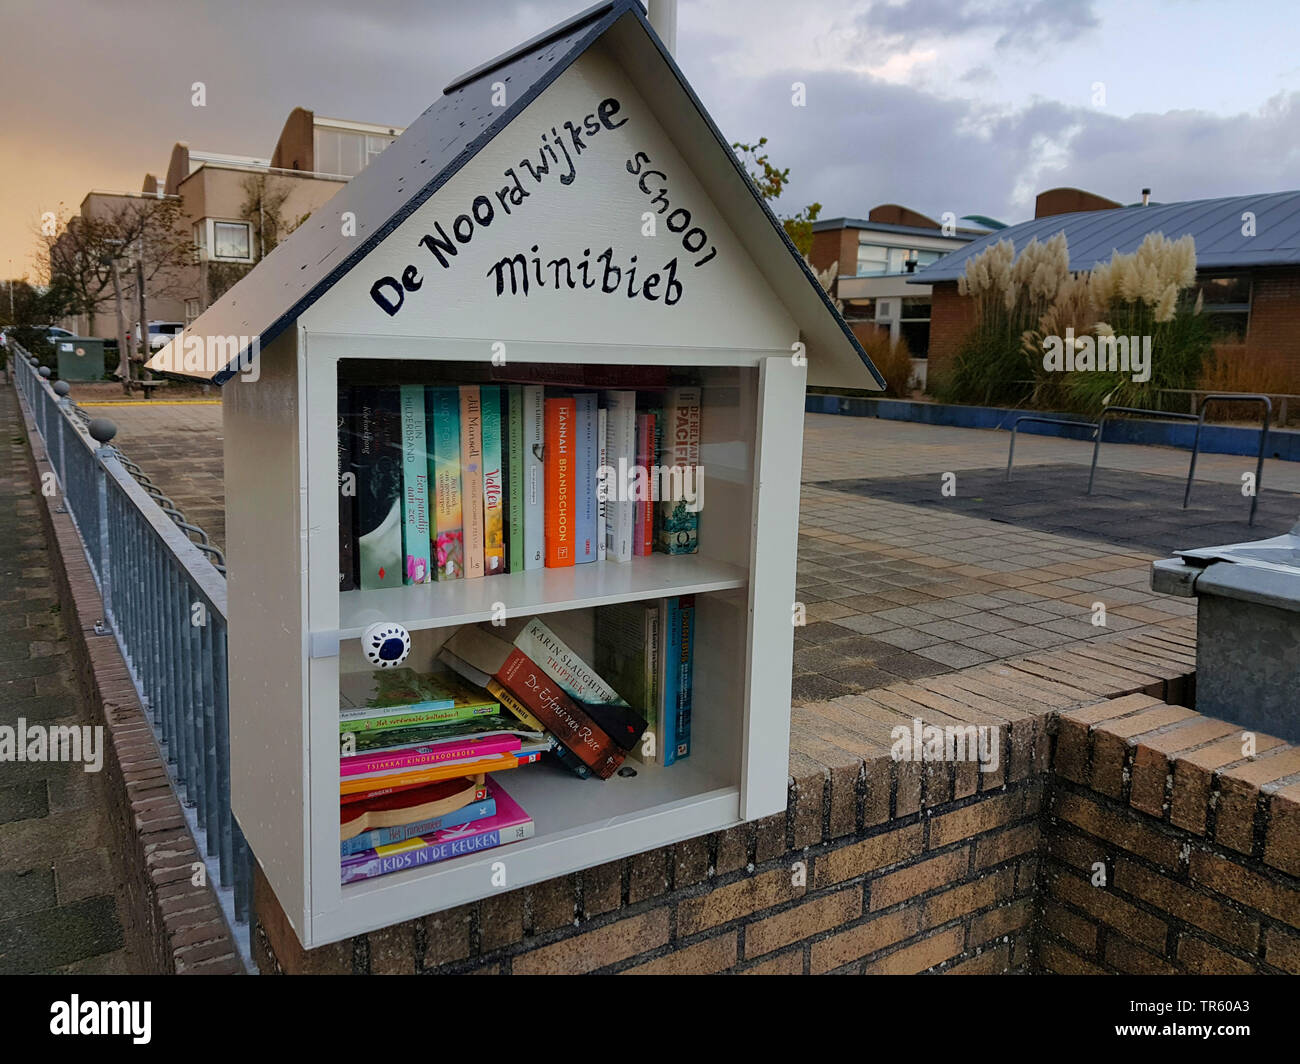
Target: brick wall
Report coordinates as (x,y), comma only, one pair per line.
(874,881)
(951,318)
(882,866)
(1275,318)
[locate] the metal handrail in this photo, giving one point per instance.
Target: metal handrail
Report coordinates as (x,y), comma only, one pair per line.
(1101,421)
(1228,397)
(1043,420)
(165,604)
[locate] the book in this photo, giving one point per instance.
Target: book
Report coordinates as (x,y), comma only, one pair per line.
(471,477)
(368,840)
(442,432)
(494,553)
(643,485)
(409,806)
(586,463)
(415,486)
(678,678)
(386,792)
(500,762)
(534,477)
(524,679)
(656,480)
(514,481)
(603,484)
(377,464)
(383,762)
(559,459)
(509,824)
(353,743)
(381,699)
(347,493)
(581,683)
(628,653)
(679,520)
(622,457)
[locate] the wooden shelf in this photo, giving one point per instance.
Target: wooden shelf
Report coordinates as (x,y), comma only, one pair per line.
(455,602)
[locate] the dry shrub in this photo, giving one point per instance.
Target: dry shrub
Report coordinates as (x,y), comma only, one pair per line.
(892,359)
(1245,368)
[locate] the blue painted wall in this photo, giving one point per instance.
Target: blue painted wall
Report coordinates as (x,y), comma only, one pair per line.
(1215,439)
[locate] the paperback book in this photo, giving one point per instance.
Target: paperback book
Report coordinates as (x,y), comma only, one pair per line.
(494,553)
(471,477)
(442,430)
(415,486)
(534,477)
(679,520)
(377,467)
(410,805)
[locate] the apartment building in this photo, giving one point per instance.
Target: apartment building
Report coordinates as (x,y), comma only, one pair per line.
(233,209)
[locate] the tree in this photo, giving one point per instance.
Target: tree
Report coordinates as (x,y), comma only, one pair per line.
(263,209)
(770,183)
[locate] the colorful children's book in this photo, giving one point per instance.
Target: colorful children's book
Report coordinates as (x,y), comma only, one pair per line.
(628,653)
(381,699)
(514,481)
(471,477)
(377,464)
(621,456)
(442,432)
(415,486)
(347,493)
(368,840)
(352,743)
(580,682)
(509,824)
(409,806)
(494,543)
(560,457)
(545,699)
(603,484)
(586,507)
(500,762)
(385,762)
(534,477)
(679,518)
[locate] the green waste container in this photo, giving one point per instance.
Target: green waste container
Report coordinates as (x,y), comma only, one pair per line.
(81,358)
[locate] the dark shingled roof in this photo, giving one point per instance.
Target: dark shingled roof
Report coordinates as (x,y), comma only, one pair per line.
(1215,224)
(432,149)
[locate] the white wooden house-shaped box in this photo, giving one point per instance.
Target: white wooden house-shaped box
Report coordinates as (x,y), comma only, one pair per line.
(570,203)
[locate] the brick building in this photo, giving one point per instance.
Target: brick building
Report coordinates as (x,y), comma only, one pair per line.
(1247,252)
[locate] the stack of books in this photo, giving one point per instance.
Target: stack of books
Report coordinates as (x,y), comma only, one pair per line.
(463,481)
(414,753)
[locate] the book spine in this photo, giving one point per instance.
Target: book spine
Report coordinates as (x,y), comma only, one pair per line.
(415,486)
(379,488)
(402,761)
(622,461)
(471,477)
(515,480)
(436,851)
(534,477)
(347,493)
(586,462)
(679,524)
(368,840)
(652,652)
(494,553)
(656,482)
(402,720)
(571,725)
(581,683)
(685,667)
(442,436)
(603,484)
(388,788)
(671,616)
(431,773)
(559,483)
(510,702)
(643,534)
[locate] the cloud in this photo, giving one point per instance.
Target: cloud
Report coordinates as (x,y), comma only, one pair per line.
(1015,23)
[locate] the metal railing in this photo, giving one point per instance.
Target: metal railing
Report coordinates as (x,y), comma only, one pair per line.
(164,602)
(1041,420)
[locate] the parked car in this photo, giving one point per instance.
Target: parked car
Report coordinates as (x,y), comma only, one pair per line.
(160,333)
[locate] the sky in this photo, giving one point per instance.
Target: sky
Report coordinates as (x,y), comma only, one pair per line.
(969,106)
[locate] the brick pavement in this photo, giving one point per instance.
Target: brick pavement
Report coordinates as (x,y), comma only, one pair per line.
(60,889)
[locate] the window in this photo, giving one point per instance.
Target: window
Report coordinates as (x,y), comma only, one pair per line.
(872,260)
(1225,302)
(342,151)
(914,325)
(191,310)
(875,260)
(232,241)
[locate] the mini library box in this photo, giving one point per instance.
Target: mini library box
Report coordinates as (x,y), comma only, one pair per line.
(565,216)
